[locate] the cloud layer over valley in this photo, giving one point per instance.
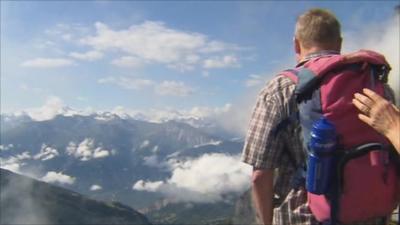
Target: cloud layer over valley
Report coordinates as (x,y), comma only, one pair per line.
(208,178)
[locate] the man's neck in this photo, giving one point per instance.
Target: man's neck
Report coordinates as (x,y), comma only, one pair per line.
(313,50)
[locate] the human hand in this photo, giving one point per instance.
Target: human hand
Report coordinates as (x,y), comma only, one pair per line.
(380,114)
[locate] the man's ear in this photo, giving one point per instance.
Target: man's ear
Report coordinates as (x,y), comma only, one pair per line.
(297,49)
(296,44)
(340,44)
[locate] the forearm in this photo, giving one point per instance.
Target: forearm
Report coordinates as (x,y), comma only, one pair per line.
(394,138)
(263,195)
(393,133)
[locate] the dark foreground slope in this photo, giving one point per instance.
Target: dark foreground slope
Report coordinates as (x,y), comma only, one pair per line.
(28,201)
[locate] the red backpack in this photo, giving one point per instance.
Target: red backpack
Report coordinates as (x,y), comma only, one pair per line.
(366,183)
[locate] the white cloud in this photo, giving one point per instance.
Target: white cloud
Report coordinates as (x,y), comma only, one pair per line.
(18,164)
(221,62)
(87,56)
(46,153)
(173,88)
(382,37)
(152,161)
(100,153)
(195,113)
(127,83)
(15,163)
(47,63)
(205,179)
(255,80)
(27,210)
(82,99)
(150,40)
(58,177)
(154,42)
(96,187)
(66,37)
(216,143)
(218,46)
(25,87)
(53,106)
(86,150)
(165,88)
(6,147)
(122,112)
(147,186)
(155,149)
(23,156)
(144,144)
(205,74)
(204,112)
(128,61)
(67,32)
(14,167)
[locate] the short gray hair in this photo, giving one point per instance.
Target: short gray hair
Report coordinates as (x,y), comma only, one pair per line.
(318,27)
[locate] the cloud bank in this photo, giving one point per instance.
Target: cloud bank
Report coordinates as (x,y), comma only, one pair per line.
(46,153)
(6,147)
(222,62)
(155,43)
(205,179)
(86,150)
(173,88)
(127,82)
(15,163)
(52,107)
(87,56)
(381,37)
(58,177)
(46,63)
(164,88)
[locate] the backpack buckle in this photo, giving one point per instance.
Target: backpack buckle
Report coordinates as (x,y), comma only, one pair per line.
(381,72)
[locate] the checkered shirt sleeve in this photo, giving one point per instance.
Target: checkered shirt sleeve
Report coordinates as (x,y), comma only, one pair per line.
(262,148)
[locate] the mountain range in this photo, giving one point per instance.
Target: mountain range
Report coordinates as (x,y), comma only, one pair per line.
(103,156)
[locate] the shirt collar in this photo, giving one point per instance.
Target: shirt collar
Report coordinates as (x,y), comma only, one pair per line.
(316,55)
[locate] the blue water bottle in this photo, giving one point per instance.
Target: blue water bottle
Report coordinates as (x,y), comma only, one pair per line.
(320,156)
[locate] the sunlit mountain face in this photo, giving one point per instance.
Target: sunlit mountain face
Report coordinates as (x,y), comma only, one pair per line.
(136,162)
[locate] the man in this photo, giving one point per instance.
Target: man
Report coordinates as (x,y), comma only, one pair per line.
(274,155)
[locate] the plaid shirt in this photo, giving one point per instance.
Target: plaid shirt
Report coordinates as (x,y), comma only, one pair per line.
(266,149)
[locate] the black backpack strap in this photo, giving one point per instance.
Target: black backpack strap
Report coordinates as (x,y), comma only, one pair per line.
(298,179)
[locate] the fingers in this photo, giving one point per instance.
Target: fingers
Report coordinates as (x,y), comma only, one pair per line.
(372,95)
(395,108)
(365,119)
(360,106)
(364,100)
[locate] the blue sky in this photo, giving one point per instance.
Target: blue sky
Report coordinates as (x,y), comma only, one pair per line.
(153,55)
